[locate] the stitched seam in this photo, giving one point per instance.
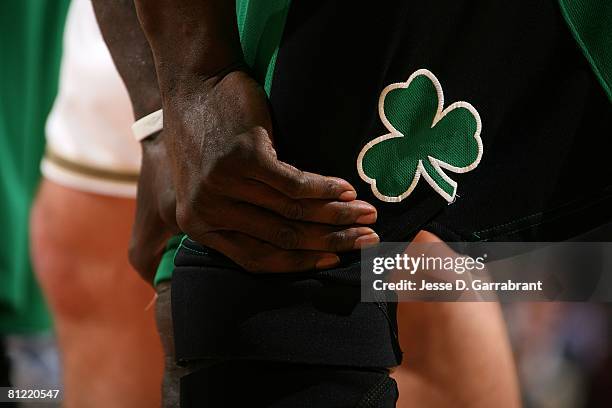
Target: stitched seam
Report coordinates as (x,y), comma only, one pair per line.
(438,165)
(539,214)
(193,250)
(534,225)
(178,249)
(507,224)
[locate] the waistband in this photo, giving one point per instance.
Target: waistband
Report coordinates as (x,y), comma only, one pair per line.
(88,178)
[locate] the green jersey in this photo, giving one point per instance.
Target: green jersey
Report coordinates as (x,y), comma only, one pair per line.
(30,49)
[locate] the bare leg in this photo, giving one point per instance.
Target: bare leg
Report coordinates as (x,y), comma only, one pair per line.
(110,350)
(455,354)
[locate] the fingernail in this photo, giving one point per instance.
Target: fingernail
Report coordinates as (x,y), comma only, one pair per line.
(327,262)
(365,241)
(369,218)
(348,195)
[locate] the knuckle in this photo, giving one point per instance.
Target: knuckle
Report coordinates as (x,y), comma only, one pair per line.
(259,134)
(267,150)
(263,157)
(331,186)
(286,237)
(243,145)
(293,210)
(342,214)
(262,153)
(299,185)
(337,241)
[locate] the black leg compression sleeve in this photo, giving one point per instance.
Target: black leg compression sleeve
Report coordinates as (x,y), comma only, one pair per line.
(279,385)
(222,312)
(288,340)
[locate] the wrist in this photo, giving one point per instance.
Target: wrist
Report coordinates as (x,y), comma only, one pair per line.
(192,80)
(144,102)
(190,40)
(180,92)
(142,88)
(148,126)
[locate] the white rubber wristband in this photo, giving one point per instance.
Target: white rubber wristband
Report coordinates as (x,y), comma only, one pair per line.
(148,125)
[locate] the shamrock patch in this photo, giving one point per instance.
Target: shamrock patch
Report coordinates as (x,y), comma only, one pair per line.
(424,140)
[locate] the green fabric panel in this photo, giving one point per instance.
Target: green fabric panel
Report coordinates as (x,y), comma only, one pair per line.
(260,24)
(166,265)
(30,50)
(591,24)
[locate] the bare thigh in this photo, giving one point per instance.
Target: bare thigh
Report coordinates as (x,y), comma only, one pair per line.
(455,354)
(110,349)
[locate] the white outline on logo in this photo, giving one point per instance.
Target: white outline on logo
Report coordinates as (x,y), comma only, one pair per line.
(437,164)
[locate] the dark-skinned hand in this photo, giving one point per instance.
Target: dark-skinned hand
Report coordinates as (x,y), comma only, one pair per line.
(232,193)
(235,196)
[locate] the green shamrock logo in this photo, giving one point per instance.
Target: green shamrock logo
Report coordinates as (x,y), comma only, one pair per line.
(424,140)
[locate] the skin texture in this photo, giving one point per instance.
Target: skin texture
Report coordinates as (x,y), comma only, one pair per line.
(455,354)
(235,196)
(111,355)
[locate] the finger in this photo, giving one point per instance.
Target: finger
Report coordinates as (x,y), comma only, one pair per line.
(295,183)
(298,184)
(296,235)
(311,210)
(259,257)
